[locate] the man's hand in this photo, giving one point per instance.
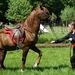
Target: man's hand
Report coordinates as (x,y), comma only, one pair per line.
(70,39)
(52,42)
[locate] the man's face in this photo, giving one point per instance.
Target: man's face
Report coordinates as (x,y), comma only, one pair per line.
(71,27)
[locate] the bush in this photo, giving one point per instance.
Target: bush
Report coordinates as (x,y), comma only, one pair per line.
(68,14)
(18,10)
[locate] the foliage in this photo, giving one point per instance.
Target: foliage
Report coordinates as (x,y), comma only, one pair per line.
(54,16)
(3,8)
(46,38)
(68,2)
(18,10)
(54,6)
(68,14)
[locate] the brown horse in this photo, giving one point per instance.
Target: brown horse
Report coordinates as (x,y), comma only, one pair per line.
(31,28)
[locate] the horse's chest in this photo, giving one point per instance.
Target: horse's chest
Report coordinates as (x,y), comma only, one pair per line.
(31,37)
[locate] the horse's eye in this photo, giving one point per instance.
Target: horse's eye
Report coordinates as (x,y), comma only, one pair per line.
(47,13)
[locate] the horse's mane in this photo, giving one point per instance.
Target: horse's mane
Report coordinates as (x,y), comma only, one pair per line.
(30,19)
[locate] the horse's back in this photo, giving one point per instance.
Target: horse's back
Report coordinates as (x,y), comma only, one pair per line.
(5,40)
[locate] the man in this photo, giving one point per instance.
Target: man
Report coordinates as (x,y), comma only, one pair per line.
(71,37)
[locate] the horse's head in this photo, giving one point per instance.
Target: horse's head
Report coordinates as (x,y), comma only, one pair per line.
(44,14)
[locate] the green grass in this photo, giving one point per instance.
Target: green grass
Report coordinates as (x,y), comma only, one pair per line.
(46,38)
(59,31)
(55,61)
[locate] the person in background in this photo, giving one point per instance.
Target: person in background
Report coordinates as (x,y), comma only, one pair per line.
(71,37)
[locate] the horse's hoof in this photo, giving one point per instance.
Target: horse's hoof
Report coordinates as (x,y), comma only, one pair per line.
(35,65)
(22,70)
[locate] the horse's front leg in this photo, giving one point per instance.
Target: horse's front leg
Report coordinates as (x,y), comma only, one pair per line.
(24,55)
(39,57)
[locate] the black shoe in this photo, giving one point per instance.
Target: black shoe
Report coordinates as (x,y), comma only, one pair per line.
(73,65)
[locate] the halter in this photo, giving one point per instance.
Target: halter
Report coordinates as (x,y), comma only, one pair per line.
(46,14)
(50,23)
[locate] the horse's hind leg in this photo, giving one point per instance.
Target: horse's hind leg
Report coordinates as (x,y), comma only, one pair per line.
(2,57)
(4,54)
(39,57)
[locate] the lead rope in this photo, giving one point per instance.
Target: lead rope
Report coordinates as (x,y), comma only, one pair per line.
(57,37)
(50,25)
(53,31)
(70,50)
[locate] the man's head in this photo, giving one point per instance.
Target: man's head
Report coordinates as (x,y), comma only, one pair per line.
(71,26)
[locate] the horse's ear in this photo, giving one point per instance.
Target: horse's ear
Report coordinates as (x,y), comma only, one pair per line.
(41,7)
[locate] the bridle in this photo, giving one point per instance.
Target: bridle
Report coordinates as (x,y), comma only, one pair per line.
(49,21)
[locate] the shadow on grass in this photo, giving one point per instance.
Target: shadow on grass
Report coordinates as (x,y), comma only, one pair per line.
(48,67)
(40,68)
(11,68)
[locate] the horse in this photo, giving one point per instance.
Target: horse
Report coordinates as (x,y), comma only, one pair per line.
(31,28)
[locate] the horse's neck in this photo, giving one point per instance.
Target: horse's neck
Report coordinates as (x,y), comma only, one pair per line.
(32,22)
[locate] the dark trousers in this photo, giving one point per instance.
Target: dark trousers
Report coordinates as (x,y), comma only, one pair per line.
(72,59)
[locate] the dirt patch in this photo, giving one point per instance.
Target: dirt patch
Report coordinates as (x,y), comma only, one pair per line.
(53,45)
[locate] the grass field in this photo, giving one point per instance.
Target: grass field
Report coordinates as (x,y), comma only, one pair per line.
(46,38)
(55,61)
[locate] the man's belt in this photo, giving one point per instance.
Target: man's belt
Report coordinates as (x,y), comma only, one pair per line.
(73,45)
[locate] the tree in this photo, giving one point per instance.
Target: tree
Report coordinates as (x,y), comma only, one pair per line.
(68,2)
(67,14)
(54,6)
(3,8)
(54,16)
(18,10)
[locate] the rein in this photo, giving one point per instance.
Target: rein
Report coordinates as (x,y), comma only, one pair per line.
(53,31)
(70,50)
(57,37)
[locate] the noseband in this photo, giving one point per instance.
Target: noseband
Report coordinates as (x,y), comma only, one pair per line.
(46,14)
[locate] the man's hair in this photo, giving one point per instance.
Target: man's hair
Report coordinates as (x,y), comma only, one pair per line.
(73,23)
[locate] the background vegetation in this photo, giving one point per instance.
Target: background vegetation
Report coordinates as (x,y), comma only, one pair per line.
(59,31)
(18,10)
